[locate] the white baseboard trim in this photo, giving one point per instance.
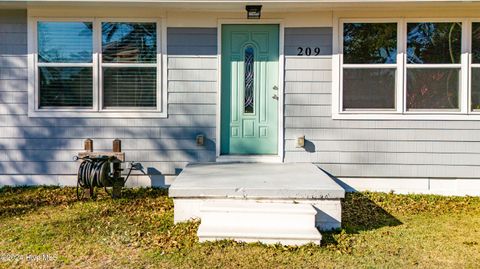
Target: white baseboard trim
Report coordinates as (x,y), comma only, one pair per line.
(71,180)
(453,187)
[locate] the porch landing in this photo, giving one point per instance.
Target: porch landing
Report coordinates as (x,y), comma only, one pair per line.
(255,181)
(258,201)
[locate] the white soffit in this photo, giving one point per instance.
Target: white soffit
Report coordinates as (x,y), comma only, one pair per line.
(239,5)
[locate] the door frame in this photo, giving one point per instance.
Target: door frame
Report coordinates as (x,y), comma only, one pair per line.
(281,62)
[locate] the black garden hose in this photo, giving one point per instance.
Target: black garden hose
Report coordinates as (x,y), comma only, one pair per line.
(97,173)
(94,172)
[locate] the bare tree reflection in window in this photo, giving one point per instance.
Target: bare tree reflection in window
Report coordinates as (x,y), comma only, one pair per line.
(433,43)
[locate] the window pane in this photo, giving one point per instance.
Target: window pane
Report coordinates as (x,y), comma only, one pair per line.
(65,86)
(369,43)
(129,42)
(65,42)
(475,88)
(130,87)
(369,88)
(433,88)
(249,78)
(476,42)
(434,43)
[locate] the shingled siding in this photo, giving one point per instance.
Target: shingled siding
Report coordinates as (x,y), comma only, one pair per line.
(41,150)
(367,148)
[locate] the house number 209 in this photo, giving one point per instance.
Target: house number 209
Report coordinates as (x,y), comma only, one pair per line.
(308,51)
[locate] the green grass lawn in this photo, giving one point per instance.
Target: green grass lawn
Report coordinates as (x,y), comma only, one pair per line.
(137,231)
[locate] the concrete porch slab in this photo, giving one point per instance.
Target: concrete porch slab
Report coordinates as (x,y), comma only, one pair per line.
(255,181)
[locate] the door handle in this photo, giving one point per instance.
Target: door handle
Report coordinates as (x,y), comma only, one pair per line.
(275,97)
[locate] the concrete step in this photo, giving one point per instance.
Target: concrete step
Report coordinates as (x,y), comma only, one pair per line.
(243,220)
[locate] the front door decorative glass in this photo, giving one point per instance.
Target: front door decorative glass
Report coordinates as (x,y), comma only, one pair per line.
(249,73)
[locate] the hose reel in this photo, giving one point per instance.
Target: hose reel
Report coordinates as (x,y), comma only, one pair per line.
(101,170)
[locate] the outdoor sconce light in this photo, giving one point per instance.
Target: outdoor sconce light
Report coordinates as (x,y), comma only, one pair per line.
(301,142)
(253,12)
(200,140)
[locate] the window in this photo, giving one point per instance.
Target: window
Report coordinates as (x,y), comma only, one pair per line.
(369,65)
(129,65)
(118,72)
(433,65)
(65,68)
(414,68)
(475,67)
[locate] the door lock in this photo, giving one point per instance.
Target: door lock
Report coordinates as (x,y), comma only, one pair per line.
(275,97)
(275,88)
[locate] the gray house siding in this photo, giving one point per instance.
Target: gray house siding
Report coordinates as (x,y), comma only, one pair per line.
(41,150)
(367,148)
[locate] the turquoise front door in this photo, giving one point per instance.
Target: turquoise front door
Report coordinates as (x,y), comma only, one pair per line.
(249,100)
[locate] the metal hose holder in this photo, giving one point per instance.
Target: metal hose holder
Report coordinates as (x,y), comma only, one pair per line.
(99,169)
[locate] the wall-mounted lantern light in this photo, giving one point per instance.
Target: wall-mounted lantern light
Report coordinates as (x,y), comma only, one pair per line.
(254,12)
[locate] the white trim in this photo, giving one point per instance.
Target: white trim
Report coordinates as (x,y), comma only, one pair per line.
(336,105)
(429,66)
(440,186)
(31,46)
(401,96)
(402,113)
(164,69)
(471,66)
(65,64)
(281,63)
(97,110)
(120,65)
(218,120)
(281,91)
(367,66)
(97,41)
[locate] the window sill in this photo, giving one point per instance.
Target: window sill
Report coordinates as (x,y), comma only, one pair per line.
(438,116)
(96,114)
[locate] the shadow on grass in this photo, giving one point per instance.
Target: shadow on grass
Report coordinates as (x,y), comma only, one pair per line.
(359,213)
(16,201)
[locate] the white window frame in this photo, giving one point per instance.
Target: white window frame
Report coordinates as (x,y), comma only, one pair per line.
(471,65)
(401,113)
(97,110)
(396,66)
(463,65)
